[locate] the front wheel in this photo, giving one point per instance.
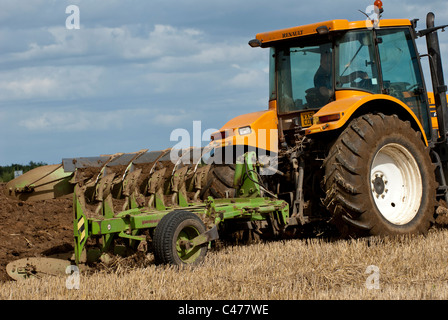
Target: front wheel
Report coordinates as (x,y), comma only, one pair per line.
(379,179)
(173,235)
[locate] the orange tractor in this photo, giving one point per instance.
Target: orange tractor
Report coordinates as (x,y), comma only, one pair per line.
(361,143)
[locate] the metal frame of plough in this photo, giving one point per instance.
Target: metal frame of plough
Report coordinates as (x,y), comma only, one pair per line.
(139,214)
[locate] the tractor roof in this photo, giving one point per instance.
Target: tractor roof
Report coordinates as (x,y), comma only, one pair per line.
(267,38)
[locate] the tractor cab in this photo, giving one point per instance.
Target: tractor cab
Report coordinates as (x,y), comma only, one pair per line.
(321,65)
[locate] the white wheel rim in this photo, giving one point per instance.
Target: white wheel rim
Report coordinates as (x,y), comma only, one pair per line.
(396,184)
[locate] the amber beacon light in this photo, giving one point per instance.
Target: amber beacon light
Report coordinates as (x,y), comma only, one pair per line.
(379,5)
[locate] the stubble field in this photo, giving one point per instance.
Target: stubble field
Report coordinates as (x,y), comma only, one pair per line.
(357,269)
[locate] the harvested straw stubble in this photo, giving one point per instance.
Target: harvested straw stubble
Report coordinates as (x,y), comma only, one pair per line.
(409,268)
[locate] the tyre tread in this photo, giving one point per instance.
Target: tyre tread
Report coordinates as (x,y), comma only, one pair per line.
(344,181)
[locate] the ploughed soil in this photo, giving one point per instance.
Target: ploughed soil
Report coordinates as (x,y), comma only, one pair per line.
(33,229)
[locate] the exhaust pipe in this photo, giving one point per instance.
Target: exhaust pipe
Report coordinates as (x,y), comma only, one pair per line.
(438,82)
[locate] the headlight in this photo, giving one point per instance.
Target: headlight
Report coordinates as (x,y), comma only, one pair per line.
(244,130)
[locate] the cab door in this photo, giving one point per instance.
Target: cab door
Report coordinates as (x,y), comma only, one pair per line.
(401,71)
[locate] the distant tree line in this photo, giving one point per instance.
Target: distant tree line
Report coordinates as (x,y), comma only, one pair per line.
(7,172)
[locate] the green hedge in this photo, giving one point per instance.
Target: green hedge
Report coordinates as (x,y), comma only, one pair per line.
(7,172)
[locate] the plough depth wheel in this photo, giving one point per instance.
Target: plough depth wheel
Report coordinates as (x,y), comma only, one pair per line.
(173,236)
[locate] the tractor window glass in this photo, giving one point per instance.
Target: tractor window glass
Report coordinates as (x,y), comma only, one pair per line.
(401,70)
(304,77)
(356,66)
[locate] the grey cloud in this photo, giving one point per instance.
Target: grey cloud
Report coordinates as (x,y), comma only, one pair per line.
(138,69)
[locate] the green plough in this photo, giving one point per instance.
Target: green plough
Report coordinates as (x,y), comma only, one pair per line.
(144,202)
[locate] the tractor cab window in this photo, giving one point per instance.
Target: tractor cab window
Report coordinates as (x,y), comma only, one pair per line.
(304,77)
(356,66)
(401,71)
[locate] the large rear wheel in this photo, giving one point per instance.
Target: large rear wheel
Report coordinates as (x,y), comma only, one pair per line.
(219,182)
(379,179)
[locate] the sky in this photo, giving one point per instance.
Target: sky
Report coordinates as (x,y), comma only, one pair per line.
(135,72)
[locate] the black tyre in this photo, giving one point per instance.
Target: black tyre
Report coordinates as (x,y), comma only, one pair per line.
(379,179)
(219,182)
(171,236)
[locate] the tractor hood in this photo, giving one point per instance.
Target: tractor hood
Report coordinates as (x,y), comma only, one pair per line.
(256,129)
